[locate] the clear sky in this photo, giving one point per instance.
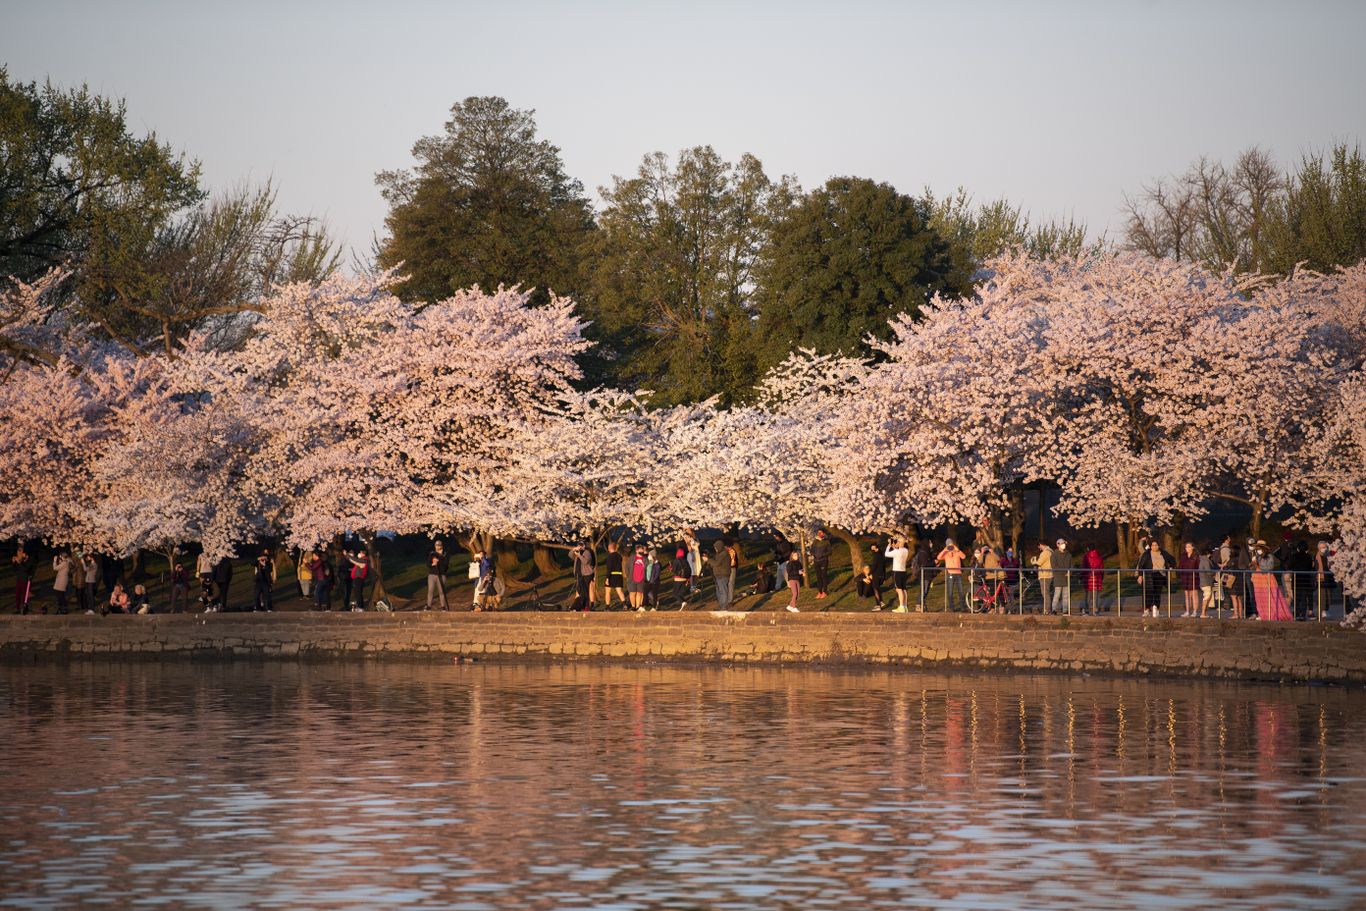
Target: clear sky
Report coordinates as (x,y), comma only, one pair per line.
(1059,106)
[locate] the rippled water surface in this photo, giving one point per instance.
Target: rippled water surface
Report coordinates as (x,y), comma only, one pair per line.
(480,787)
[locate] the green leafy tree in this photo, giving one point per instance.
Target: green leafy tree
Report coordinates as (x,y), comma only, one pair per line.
(845,259)
(1320,219)
(978,233)
(673,273)
(488,204)
(79,191)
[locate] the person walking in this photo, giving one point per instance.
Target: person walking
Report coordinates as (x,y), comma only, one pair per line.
(1044,566)
(1062,578)
(720,571)
(681,567)
(61,579)
(794,576)
(1188,574)
(782,550)
(585,567)
(821,549)
(898,553)
(323,579)
(952,558)
(438,566)
(23,579)
(263,580)
(616,575)
(180,589)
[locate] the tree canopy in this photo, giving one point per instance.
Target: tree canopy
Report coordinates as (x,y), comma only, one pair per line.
(488,204)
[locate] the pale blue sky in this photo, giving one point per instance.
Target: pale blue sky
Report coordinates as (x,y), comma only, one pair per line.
(1060,106)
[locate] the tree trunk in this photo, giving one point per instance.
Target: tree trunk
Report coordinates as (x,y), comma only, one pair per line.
(546,565)
(993,530)
(1172,534)
(1017,517)
(1256,526)
(139,573)
(376,567)
(858,557)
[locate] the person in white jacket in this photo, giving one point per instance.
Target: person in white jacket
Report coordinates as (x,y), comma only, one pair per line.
(897,552)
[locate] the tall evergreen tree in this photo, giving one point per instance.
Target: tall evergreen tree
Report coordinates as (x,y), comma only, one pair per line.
(843,261)
(673,273)
(487,204)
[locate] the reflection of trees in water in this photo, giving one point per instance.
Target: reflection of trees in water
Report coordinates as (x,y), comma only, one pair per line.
(576,765)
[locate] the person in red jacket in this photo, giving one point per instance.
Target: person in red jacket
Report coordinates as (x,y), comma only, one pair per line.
(1094,565)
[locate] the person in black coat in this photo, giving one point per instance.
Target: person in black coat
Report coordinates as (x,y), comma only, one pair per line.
(1153,566)
(222,577)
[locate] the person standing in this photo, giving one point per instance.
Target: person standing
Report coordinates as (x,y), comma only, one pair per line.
(1324,582)
(821,549)
(1301,571)
(222,577)
(1271,603)
(898,553)
(23,579)
(720,571)
(61,579)
(1153,567)
(1044,565)
(78,579)
(203,568)
(616,575)
(694,548)
(1207,589)
(682,576)
(304,575)
(794,577)
(1062,579)
(952,558)
(438,566)
(359,566)
(585,568)
(264,583)
(344,577)
(180,589)
(652,571)
(323,579)
(1094,565)
(90,569)
(635,580)
(1188,574)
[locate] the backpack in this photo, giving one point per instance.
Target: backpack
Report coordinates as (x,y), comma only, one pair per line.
(638,569)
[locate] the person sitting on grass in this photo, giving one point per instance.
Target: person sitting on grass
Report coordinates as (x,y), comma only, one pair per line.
(763,580)
(868,586)
(118,600)
(141,604)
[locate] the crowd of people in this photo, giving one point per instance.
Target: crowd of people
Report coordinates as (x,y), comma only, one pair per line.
(1251,579)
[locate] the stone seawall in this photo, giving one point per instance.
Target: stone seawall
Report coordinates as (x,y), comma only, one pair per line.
(1215,649)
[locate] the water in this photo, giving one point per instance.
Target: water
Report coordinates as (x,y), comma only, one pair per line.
(488,787)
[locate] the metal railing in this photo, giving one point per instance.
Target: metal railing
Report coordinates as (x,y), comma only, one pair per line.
(1219,594)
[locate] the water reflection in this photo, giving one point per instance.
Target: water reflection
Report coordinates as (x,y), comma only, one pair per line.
(278,785)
